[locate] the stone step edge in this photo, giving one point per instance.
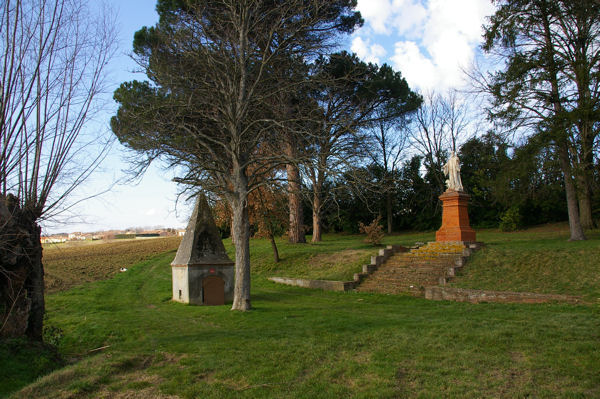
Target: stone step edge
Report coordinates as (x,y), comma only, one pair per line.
(327,285)
(439,293)
(378,260)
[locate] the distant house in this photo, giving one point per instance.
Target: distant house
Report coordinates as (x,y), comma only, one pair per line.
(53,239)
(181,232)
(78,236)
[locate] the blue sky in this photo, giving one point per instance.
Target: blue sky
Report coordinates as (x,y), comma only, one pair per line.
(429,41)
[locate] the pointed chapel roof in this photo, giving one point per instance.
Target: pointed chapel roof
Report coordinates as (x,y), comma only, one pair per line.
(201,244)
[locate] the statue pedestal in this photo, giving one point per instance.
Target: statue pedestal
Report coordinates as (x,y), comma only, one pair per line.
(455,218)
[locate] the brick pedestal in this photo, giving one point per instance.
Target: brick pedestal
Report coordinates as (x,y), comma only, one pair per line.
(455,218)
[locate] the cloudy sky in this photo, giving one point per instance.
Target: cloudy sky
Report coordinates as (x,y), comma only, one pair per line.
(429,41)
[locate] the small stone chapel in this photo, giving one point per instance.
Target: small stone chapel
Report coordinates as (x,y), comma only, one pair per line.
(202,272)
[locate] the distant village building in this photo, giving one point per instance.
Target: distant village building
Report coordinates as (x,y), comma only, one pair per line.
(53,239)
(78,236)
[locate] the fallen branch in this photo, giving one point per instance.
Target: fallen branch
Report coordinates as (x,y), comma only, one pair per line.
(99,349)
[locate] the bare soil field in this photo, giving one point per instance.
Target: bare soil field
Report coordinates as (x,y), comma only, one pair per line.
(67,266)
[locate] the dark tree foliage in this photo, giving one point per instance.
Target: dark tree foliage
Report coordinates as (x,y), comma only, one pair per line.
(482,162)
(351,97)
(550,84)
(523,184)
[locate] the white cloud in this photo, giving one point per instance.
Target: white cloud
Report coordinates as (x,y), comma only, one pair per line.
(367,51)
(433,40)
(408,18)
(376,13)
(451,31)
(150,212)
(415,67)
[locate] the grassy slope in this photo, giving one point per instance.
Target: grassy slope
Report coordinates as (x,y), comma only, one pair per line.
(537,260)
(308,343)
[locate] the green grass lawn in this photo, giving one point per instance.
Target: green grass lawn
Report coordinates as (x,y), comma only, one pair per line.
(539,260)
(315,344)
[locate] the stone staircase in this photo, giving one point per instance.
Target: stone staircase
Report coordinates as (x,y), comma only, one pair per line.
(410,272)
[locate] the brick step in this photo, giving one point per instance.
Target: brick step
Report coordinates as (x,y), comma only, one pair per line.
(407,277)
(426,254)
(420,260)
(409,272)
(394,291)
(423,259)
(400,283)
(418,267)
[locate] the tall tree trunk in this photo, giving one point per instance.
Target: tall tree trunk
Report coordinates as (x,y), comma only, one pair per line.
(585,204)
(388,209)
(572,208)
(316,237)
(560,132)
(296,229)
(35,285)
(585,177)
(241,237)
(15,266)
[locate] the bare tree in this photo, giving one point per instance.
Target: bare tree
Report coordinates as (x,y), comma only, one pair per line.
(53,57)
(440,124)
(391,141)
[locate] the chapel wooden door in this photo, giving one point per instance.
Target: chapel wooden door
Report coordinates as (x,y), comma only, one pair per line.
(213,290)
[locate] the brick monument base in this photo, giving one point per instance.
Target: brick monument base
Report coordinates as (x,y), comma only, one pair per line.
(455,218)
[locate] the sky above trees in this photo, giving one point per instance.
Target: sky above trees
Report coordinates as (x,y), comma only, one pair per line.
(428,41)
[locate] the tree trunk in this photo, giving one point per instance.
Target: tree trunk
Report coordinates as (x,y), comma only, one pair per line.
(560,132)
(274,247)
(316,237)
(241,238)
(585,205)
(21,272)
(388,209)
(35,286)
(585,178)
(573,211)
(296,230)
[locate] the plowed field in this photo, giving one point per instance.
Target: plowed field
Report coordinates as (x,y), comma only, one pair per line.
(66,267)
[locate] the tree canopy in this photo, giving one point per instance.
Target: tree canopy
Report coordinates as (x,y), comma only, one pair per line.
(217,68)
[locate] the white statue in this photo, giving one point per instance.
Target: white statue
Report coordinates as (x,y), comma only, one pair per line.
(452,171)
